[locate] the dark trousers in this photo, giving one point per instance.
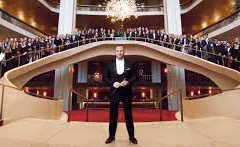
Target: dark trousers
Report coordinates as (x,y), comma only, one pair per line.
(120,95)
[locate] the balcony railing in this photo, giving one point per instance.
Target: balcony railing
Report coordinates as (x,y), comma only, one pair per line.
(35,55)
(13,20)
(140,8)
(234,17)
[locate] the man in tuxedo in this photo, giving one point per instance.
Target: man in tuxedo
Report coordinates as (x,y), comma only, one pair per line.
(120,75)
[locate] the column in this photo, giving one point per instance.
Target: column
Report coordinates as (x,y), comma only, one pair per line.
(172,17)
(156,72)
(82,72)
(67,16)
(64,75)
(176,75)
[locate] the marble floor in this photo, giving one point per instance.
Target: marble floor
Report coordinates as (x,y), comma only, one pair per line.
(209,132)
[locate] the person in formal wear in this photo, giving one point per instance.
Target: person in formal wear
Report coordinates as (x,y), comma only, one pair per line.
(120,75)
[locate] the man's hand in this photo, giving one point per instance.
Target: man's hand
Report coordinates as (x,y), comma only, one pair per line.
(124,83)
(117,85)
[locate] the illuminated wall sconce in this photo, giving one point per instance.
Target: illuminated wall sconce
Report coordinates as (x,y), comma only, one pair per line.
(165,70)
(95,94)
(143,94)
(199,92)
(44,93)
(26,89)
(210,91)
(192,93)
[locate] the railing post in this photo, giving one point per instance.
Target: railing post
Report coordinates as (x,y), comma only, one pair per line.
(69,97)
(160,108)
(181,105)
(1,113)
(87,109)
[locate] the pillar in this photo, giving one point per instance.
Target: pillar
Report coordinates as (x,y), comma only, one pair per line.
(176,75)
(64,75)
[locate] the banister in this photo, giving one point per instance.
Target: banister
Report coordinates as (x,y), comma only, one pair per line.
(44,97)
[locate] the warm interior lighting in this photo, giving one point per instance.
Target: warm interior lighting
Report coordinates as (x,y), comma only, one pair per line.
(121,9)
(143,94)
(233,2)
(32,22)
(37,92)
(165,70)
(21,15)
(204,24)
(192,93)
(44,93)
(216,17)
(1,4)
(95,94)
(199,92)
(210,91)
(26,90)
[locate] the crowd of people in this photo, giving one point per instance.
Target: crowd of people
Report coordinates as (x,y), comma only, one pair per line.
(19,51)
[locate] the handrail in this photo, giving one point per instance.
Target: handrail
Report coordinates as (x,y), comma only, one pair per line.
(200,96)
(159,101)
(165,97)
(42,96)
(2,97)
(231,89)
(77,93)
(70,100)
(215,25)
(57,4)
(30,93)
(184,5)
(127,38)
(11,87)
(205,95)
(31,27)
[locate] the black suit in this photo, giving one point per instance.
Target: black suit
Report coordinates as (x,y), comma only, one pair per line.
(123,94)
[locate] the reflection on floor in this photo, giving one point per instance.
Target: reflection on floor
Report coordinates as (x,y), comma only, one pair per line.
(210,132)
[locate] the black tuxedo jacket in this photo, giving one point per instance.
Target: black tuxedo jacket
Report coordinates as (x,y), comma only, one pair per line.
(110,74)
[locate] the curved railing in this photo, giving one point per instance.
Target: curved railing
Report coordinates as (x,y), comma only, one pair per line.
(233,17)
(32,56)
(159,102)
(71,92)
(50,51)
(207,94)
(18,89)
(140,8)
(13,20)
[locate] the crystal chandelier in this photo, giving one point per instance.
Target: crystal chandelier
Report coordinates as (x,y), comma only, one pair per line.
(121,9)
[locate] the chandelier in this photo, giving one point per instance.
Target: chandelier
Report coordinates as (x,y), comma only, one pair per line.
(121,9)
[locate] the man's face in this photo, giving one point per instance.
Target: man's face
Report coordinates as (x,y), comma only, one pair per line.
(119,52)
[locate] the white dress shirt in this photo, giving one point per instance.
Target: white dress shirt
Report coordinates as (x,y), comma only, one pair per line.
(2,55)
(120,66)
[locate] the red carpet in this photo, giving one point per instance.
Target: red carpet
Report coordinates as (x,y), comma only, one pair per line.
(139,115)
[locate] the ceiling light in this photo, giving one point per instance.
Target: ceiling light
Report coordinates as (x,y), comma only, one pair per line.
(121,9)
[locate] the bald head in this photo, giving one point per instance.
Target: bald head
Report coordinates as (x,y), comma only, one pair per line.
(119,52)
